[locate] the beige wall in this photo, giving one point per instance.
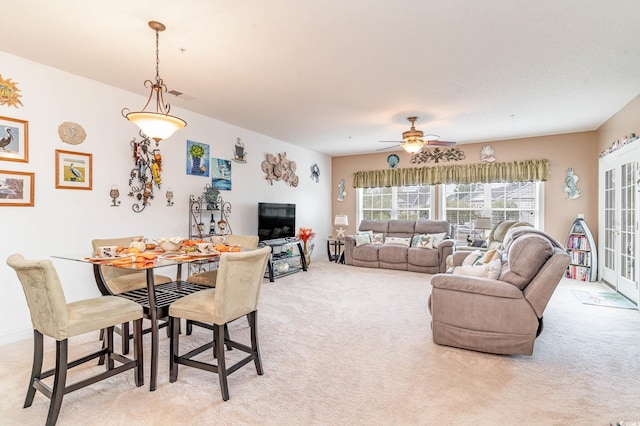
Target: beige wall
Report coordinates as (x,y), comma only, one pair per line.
(576,150)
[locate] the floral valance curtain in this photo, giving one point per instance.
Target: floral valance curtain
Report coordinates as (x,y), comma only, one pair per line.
(516,171)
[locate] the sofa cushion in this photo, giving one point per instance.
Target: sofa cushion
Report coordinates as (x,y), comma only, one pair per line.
(401,228)
(426,226)
(392,253)
(366,253)
(362,239)
(421,257)
(489,270)
(374,225)
(526,255)
(406,242)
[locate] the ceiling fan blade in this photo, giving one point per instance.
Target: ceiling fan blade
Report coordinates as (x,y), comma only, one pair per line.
(440,143)
(387,147)
(392,141)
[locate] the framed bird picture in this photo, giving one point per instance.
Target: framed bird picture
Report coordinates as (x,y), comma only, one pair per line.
(73,170)
(14,140)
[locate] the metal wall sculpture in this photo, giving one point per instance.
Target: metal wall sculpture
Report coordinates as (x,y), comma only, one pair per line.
(145,173)
(437,154)
(278,167)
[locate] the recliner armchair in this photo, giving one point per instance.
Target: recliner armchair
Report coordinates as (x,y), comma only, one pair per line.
(502,316)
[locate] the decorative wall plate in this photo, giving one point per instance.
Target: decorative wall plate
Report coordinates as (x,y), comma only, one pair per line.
(71,133)
(393,161)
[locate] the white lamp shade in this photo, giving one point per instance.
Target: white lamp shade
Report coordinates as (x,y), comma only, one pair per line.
(412,147)
(155,125)
(341,220)
(483,223)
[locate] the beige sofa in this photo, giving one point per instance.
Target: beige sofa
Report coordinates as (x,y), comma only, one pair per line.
(392,256)
(504,315)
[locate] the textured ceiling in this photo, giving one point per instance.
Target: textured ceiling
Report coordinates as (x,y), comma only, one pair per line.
(339,76)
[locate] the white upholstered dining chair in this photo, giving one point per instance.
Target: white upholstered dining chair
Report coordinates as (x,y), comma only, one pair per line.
(240,276)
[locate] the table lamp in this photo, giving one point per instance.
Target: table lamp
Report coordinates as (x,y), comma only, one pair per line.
(482,223)
(340,220)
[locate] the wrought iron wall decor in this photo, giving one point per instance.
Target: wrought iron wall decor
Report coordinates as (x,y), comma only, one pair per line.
(145,174)
(437,154)
(278,167)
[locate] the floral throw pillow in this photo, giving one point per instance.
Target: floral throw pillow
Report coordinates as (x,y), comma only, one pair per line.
(377,239)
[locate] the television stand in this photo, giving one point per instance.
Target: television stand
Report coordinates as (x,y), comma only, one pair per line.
(287,257)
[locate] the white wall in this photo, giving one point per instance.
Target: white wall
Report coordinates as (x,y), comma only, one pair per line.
(63,221)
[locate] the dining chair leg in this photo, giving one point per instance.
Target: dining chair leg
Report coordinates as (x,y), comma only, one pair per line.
(109,344)
(253,325)
(218,331)
(36,368)
(137,349)
(174,348)
(59,382)
(124,331)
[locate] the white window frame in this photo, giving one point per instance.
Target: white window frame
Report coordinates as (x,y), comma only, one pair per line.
(394,202)
(487,210)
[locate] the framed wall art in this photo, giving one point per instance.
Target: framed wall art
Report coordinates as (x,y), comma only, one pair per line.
(197,158)
(16,188)
(221,174)
(14,140)
(73,170)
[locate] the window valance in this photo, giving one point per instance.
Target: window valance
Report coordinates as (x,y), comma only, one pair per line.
(516,171)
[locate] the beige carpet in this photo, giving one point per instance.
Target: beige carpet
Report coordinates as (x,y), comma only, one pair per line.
(352,346)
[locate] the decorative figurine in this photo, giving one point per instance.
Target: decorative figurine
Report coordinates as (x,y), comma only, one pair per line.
(239,152)
(487,154)
(341,192)
(571,185)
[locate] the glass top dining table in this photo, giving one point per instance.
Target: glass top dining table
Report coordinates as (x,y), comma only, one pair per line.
(155,299)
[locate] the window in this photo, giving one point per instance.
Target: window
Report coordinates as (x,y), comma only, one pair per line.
(463,203)
(405,202)
(460,204)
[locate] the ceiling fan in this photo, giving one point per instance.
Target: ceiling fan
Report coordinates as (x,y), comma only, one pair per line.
(413,140)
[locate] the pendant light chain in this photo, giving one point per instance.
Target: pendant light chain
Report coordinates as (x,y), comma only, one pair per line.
(157,56)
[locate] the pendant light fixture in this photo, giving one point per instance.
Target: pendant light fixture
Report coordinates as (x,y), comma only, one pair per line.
(156,125)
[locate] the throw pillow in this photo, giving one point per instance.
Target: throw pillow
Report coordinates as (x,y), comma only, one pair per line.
(377,239)
(472,258)
(398,241)
(489,270)
(362,239)
(429,241)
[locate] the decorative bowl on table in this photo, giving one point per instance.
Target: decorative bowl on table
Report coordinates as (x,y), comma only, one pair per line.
(171,244)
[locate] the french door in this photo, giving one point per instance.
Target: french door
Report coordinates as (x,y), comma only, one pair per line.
(618,235)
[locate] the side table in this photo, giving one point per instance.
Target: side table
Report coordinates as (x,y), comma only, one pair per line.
(335,250)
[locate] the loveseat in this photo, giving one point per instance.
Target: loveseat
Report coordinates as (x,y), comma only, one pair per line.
(407,245)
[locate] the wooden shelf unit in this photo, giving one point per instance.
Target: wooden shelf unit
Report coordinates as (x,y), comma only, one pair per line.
(581,247)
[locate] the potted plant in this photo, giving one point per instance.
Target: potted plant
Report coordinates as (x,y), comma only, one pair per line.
(196,152)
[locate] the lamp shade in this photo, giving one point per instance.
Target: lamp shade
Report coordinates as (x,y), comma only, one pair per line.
(156,125)
(341,220)
(483,223)
(412,147)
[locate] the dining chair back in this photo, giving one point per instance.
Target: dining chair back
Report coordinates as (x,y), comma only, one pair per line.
(121,280)
(240,276)
(52,316)
(209,278)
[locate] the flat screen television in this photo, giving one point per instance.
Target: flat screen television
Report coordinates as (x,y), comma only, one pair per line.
(276,220)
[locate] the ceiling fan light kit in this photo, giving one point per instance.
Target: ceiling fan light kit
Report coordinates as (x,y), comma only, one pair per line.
(413,139)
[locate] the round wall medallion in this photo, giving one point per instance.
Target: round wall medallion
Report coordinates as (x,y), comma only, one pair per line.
(71,133)
(393,160)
